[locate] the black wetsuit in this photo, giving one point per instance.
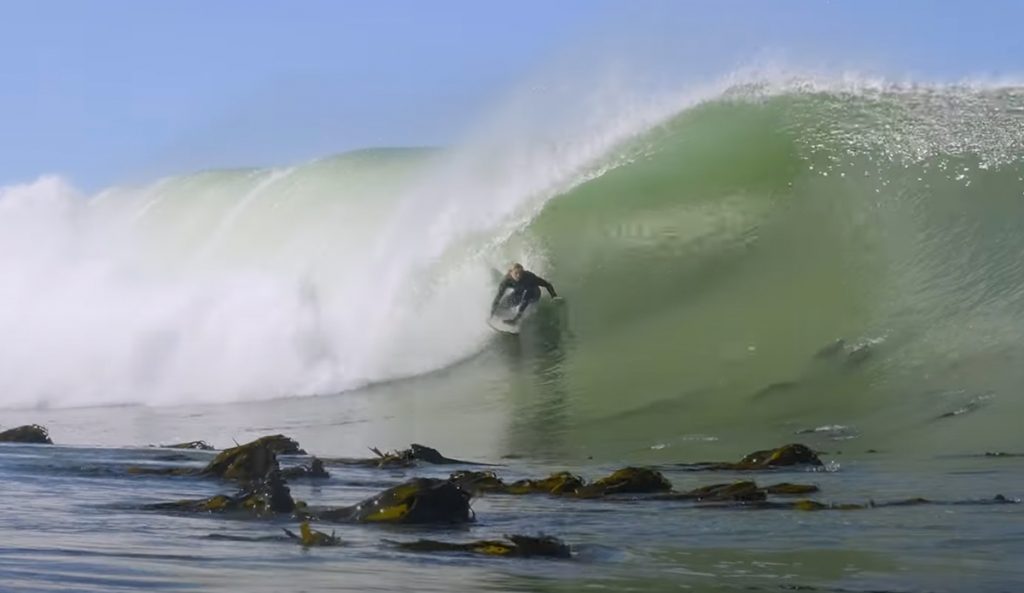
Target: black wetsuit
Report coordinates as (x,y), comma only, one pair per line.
(526,290)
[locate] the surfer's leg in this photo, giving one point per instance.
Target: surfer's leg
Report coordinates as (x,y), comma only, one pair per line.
(530,296)
(509,300)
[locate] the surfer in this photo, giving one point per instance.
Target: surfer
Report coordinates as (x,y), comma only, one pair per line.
(525,287)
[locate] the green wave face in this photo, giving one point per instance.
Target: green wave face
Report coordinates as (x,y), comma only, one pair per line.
(745,236)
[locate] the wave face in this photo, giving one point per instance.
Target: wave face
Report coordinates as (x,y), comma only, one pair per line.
(717,272)
(709,246)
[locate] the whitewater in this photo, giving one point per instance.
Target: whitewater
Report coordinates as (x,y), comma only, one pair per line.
(250,284)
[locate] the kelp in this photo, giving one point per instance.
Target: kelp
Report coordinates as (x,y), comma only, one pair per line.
(402,458)
(629,480)
(315,469)
(561,483)
(194,445)
(310,537)
(735,491)
(477,482)
(739,491)
(253,460)
(249,462)
(420,500)
(29,433)
(264,493)
(513,546)
(265,497)
(793,454)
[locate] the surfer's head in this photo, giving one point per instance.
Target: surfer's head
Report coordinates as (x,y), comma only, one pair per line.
(516,271)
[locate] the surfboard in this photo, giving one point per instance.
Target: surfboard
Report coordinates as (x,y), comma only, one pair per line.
(502,326)
(498,323)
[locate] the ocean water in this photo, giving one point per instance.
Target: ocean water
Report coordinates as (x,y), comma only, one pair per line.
(712,247)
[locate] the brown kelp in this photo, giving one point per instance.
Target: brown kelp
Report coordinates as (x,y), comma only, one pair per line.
(401,458)
(513,546)
(793,454)
(310,537)
(195,445)
(264,497)
(629,480)
(30,433)
(420,500)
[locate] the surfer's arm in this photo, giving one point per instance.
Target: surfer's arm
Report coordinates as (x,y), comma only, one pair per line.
(501,291)
(547,285)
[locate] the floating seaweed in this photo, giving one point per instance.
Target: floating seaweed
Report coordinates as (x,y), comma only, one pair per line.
(793,454)
(420,500)
(195,445)
(310,537)
(264,497)
(513,546)
(30,433)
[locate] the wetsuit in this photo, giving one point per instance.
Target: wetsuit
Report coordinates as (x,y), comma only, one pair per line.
(526,290)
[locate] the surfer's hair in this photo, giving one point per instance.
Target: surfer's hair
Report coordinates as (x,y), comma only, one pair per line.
(516,266)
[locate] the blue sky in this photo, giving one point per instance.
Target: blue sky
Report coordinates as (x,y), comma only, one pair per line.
(110,91)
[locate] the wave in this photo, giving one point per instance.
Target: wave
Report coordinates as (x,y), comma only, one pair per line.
(716,238)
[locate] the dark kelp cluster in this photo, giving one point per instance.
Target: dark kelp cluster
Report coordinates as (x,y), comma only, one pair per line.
(248,462)
(252,460)
(261,497)
(30,433)
(519,546)
(261,491)
(628,480)
(402,458)
(740,491)
(790,455)
(195,445)
(420,500)
(310,537)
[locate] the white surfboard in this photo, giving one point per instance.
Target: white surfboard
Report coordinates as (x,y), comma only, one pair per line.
(500,325)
